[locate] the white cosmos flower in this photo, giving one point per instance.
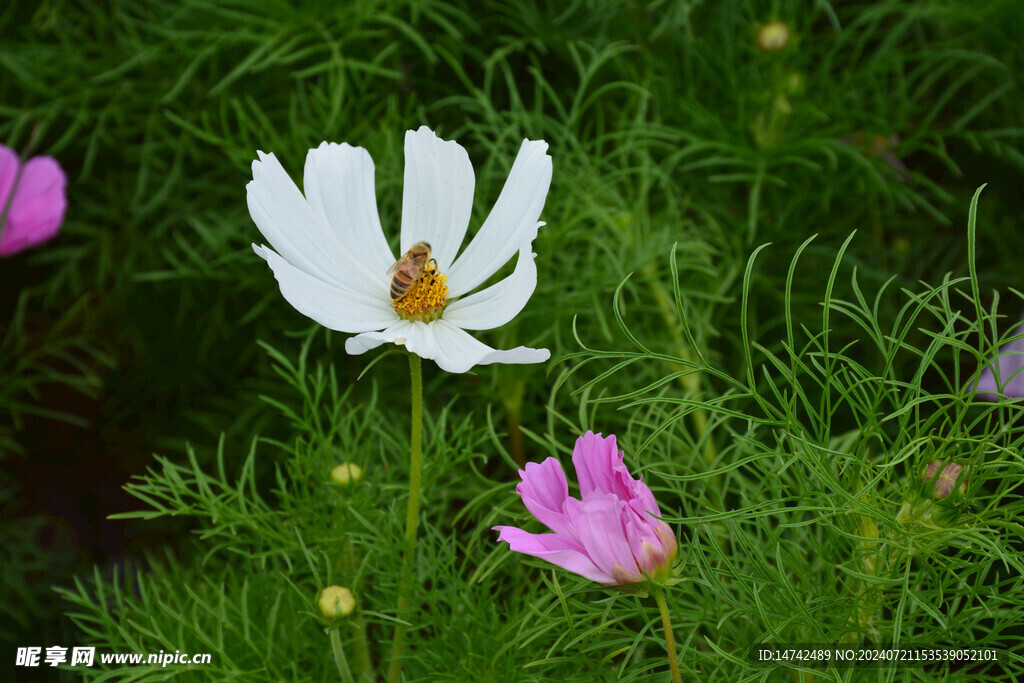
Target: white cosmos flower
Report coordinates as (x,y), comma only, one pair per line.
(331,258)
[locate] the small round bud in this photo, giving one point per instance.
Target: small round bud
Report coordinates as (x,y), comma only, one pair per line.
(773,36)
(336,602)
(794,84)
(347,473)
(944,475)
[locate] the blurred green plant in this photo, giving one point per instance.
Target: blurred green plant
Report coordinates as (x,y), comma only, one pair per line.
(655,113)
(670,130)
(38,353)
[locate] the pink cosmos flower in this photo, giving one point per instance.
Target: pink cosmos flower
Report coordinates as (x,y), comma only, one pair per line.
(1010,362)
(611,536)
(32,201)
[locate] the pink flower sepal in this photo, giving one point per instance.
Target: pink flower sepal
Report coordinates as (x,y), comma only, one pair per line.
(612,535)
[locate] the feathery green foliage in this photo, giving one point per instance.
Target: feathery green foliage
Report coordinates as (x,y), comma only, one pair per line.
(782,400)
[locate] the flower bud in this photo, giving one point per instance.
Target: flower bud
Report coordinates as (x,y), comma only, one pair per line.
(794,84)
(347,473)
(945,475)
(335,603)
(773,36)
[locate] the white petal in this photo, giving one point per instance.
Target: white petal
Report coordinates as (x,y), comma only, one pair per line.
(458,352)
(415,336)
(451,348)
(298,233)
(514,218)
(337,306)
(520,355)
(338,181)
(361,343)
(499,303)
(437,198)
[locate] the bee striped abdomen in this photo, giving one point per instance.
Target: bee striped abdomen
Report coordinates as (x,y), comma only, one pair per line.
(408,269)
(401,284)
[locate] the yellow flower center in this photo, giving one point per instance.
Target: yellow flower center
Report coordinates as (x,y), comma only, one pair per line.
(427,297)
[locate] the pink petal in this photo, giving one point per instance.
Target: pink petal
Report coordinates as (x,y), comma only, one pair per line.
(544,492)
(597,461)
(557,550)
(1010,363)
(651,540)
(642,494)
(655,559)
(37,210)
(600,469)
(636,524)
(598,524)
(8,172)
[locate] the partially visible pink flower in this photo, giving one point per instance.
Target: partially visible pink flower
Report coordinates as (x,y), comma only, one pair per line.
(1010,363)
(32,201)
(944,475)
(612,536)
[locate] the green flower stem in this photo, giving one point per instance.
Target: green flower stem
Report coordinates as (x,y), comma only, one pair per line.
(364,666)
(868,593)
(691,382)
(347,563)
(339,657)
(512,397)
(884,560)
(412,517)
(670,640)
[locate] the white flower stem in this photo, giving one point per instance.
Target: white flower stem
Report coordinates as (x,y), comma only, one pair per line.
(412,516)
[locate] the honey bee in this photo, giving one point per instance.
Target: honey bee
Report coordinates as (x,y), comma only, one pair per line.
(408,269)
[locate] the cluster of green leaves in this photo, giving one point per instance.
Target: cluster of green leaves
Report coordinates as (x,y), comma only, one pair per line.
(34,354)
(670,132)
(793,524)
(268,553)
(656,116)
(808,520)
(37,352)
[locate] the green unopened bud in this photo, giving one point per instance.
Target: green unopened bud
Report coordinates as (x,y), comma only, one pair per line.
(336,603)
(347,473)
(773,36)
(945,475)
(794,84)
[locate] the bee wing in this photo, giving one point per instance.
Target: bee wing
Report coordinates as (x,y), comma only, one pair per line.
(394,267)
